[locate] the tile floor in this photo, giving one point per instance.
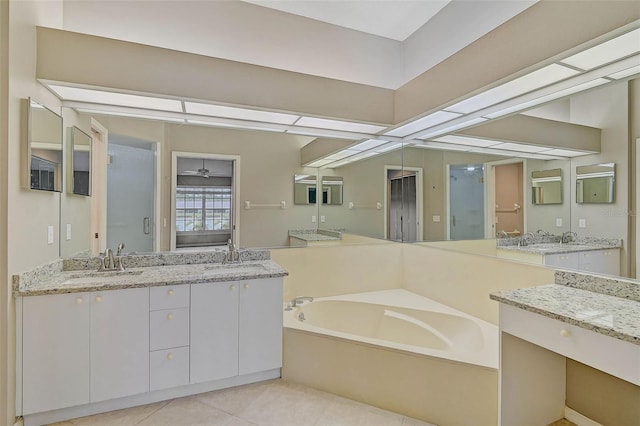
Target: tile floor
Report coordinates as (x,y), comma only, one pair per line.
(271,403)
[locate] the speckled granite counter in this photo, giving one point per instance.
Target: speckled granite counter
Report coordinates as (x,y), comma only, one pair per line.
(546,248)
(605,314)
(79,275)
(312,235)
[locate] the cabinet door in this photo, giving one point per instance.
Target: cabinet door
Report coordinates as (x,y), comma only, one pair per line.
(602,261)
(119,343)
(214,331)
(55,351)
(260,325)
(564,260)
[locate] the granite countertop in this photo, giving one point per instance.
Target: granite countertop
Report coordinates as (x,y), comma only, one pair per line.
(613,316)
(557,248)
(64,276)
(316,234)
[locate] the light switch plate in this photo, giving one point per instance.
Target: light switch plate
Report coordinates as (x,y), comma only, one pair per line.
(68,231)
(558,222)
(50,234)
(436,218)
(314,219)
(582,223)
(323,219)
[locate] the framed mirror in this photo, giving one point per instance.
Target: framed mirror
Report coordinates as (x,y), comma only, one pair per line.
(44,148)
(546,187)
(595,184)
(332,190)
(80,162)
(304,189)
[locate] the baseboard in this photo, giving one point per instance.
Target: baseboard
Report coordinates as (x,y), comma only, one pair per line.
(579,419)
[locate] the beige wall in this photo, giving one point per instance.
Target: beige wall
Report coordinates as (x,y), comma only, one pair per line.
(6,301)
(544,216)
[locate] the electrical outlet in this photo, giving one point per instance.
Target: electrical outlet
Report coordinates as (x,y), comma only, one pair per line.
(436,218)
(323,219)
(558,222)
(50,234)
(314,219)
(582,223)
(68,231)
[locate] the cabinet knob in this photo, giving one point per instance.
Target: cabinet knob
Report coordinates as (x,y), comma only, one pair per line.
(79,300)
(565,333)
(169,317)
(246,285)
(98,299)
(170,292)
(169,356)
(232,287)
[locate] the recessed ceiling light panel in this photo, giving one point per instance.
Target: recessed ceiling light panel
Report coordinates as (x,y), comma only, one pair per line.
(520,147)
(368,144)
(348,126)
(129,115)
(342,154)
(609,51)
(464,140)
(423,123)
(243,126)
(68,93)
(239,113)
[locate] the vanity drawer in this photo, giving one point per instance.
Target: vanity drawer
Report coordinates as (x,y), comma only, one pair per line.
(168,368)
(169,328)
(167,297)
(611,355)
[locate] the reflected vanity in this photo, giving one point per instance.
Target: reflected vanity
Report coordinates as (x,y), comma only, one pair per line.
(44,148)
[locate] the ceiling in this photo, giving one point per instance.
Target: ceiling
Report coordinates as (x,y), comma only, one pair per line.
(394,19)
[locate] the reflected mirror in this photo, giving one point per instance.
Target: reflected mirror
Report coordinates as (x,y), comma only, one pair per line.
(595,184)
(80,162)
(304,189)
(546,186)
(332,190)
(44,148)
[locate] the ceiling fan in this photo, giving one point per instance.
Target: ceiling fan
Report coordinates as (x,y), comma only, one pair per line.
(202,172)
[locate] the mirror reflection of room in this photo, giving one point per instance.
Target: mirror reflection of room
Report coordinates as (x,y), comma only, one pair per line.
(45,148)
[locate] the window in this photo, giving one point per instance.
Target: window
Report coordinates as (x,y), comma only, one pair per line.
(204,208)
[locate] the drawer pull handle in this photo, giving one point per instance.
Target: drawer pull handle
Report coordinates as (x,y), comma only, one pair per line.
(98,299)
(170,292)
(169,317)
(169,356)
(79,300)
(565,333)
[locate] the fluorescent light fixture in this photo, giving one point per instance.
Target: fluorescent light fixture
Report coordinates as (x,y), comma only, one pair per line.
(388,147)
(113,98)
(368,144)
(342,154)
(326,133)
(609,51)
(130,115)
(532,81)
(243,126)
(538,99)
(348,126)
(566,152)
(319,163)
(464,140)
(239,113)
(520,147)
(443,146)
(625,73)
(547,179)
(441,131)
(363,155)
(423,123)
(340,163)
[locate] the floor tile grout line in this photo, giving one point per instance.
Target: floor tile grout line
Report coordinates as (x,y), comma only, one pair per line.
(154,411)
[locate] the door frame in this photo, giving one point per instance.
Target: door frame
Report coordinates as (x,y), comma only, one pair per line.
(419,200)
(235,190)
(98,203)
(447,194)
(490,200)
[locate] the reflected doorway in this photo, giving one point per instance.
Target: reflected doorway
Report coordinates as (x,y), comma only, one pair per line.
(404,204)
(466,202)
(505,198)
(131,184)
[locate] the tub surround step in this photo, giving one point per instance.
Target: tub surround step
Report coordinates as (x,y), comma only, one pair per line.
(148,270)
(609,315)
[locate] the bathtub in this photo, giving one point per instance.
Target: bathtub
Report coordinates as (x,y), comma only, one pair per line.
(399,351)
(400,320)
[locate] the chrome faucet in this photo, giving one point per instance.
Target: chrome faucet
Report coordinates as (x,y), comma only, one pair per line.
(110,262)
(568,237)
(526,239)
(232,255)
(297,301)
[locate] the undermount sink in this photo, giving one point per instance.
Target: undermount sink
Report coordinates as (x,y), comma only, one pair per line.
(235,267)
(100,277)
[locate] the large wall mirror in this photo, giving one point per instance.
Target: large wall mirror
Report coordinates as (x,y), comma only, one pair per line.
(595,184)
(80,162)
(44,148)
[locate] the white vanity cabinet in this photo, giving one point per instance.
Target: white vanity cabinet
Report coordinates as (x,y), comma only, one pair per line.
(55,351)
(598,261)
(119,343)
(236,328)
(84,347)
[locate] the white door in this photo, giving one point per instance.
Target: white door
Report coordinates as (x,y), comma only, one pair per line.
(55,351)
(466,202)
(260,325)
(130,196)
(119,343)
(214,331)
